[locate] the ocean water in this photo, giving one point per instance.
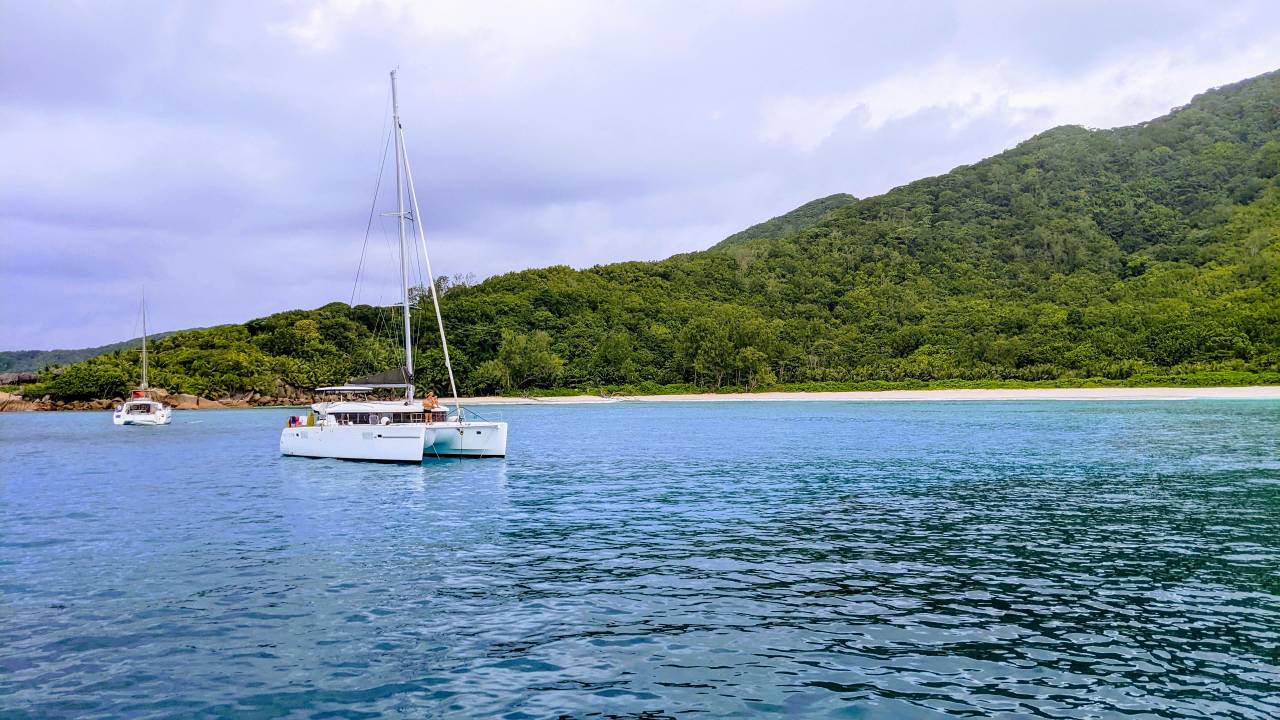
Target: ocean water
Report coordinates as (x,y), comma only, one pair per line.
(853,560)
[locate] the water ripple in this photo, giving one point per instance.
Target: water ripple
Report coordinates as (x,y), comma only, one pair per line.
(844,560)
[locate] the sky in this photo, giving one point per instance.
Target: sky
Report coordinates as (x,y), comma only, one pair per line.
(221,157)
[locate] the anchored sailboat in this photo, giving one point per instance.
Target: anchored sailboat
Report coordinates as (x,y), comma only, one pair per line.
(395,430)
(141,408)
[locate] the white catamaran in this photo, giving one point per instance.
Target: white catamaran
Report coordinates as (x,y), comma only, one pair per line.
(404,430)
(141,408)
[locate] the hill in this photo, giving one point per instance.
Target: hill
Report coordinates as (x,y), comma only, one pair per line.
(32,360)
(802,217)
(1133,255)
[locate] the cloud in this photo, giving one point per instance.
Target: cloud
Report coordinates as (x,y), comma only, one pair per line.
(226,153)
(503,34)
(1117,93)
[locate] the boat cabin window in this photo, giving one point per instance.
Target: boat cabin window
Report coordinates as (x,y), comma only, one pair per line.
(140,408)
(375,418)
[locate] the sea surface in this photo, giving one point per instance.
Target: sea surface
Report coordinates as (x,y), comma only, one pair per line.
(1038,559)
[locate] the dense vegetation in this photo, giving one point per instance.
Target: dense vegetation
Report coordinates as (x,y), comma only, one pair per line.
(1134,255)
(801,218)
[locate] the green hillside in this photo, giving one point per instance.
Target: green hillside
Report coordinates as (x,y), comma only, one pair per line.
(32,360)
(1135,255)
(802,217)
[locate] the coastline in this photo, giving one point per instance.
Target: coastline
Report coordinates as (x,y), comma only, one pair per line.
(10,403)
(1254,392)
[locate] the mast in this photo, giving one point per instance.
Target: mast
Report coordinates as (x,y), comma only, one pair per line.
(431,279)
(144,340)
(404,263)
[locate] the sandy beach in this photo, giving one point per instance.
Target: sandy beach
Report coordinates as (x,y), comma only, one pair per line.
(1270,392)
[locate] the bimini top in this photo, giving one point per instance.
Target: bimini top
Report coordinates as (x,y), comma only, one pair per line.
(393,378)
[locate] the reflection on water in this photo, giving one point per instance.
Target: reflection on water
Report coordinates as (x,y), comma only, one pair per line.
(858,560)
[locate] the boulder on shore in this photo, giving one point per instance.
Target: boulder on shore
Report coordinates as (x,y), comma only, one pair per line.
(18,378)
(9,402)
(184,401)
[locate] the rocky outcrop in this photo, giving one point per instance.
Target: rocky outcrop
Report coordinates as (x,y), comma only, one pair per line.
(18,378)
(10,402)
(192,402)
(183,402)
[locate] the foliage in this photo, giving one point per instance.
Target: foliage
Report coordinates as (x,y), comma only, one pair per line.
(84,381)
(1079,257)
(802,217)
(527,360)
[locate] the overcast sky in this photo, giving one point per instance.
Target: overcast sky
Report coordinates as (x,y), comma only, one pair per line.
(223,154)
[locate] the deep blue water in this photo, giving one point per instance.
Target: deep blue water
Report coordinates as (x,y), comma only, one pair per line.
(874,560)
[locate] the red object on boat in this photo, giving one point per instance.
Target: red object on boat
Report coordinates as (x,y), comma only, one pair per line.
(137,393)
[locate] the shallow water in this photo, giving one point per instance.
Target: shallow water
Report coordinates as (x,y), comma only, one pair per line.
(864,560)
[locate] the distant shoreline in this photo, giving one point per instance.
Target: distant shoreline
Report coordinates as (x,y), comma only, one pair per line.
(1255,392)
(1241,392)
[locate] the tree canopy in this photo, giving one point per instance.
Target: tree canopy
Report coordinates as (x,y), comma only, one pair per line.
(1137,252)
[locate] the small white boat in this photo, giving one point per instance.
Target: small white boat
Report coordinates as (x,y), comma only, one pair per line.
(141,408)
(404,430)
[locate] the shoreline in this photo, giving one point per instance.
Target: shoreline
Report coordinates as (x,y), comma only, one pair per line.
(1236,392)
(1254,392)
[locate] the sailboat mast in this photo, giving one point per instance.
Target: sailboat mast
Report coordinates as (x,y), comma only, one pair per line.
(144,340)
(404,264)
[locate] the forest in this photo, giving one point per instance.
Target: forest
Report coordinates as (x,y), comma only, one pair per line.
(1137,255)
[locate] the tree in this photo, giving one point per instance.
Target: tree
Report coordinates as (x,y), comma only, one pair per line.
(528,360)
(87,381)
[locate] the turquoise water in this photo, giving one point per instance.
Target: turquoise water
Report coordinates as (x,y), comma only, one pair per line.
(875,560)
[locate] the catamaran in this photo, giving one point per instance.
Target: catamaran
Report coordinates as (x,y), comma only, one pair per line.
(141,408)
(409,429)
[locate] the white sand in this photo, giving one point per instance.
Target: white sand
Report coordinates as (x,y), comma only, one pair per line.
(1257,392)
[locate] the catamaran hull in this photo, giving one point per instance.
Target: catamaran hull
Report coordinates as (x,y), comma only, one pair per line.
(158,419)
(396,443)
(402,443)
(469,439)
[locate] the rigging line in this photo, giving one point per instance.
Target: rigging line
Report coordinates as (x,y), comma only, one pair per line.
(431,279)
(134,333)
(392,309)
(422,283)
(373,206)
(386,115)
(127,351)
(384,314)
(380,316)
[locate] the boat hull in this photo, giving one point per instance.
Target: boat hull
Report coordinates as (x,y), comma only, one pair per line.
(386,443)
(396,443)
(162,418)
(467,439)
